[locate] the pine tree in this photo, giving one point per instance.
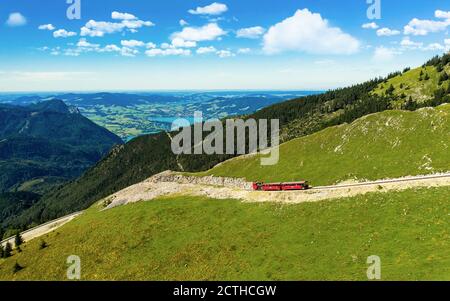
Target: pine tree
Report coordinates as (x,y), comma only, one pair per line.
(7,251)
(390,90)
(18,240)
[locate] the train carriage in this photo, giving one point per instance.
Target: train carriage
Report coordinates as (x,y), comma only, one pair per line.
(285,186)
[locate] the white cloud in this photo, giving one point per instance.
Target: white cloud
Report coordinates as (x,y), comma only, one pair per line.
(205,50)
(62,33)
(250,32)
(244,50)
(84,43)
(167,52)
(442,14)
(387,32)
(225,53)
(46,27)
(423,27)
(111,48)
(207,32)
(308,32)
(132,43)
(212,9)
(407,43)
(122,16)
(150,45)
(434,47)
(383,54)
(180,43)
(183,23)
(447,42)
(16,19)
(130,52)
(371,25)
(100,28)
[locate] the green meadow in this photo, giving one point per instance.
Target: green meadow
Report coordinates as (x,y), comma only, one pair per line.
(191,238)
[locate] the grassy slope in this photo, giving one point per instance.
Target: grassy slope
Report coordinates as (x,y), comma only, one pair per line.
(408,84)
(388,144)
(191,238)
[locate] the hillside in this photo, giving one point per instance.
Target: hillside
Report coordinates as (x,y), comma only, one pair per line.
(383,145)
(418,87)
(147,155)
(45,144)
(230,240)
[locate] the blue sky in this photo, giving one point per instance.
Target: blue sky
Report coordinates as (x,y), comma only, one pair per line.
(207,45)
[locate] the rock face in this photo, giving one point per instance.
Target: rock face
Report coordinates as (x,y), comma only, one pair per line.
(169,176)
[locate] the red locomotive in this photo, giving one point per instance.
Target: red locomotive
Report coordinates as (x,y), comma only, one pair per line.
(302,185)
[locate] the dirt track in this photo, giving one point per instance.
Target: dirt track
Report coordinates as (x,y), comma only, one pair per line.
(159,186)
(42,229)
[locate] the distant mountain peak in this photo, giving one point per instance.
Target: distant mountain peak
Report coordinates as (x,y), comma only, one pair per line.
(53,105)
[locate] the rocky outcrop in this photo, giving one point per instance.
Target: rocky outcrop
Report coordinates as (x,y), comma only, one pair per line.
(170,176)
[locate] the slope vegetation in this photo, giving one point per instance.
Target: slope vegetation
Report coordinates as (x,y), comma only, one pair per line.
(183,238)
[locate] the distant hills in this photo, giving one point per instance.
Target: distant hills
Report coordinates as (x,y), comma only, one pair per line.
(129,115)
(48,140)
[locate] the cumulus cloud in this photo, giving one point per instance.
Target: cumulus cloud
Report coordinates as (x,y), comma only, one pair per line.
(250,32)
(46,27)
(183,23)
(434,47)
(62,33)
(420,27)
(387,32)
(167,52)
(132,43)
(125,51)
(180,43)
(212,9)
(205,50)
(207,32)
(225,53)
(16,19)
(122,16)
(442,14)
(84,43)
(409,44)
(308,32)
(111,48)
(371,25)
(128,22)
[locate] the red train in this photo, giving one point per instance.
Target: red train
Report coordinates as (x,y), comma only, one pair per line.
(302,185)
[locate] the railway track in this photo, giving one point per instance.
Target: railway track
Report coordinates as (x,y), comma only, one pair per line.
(380,182)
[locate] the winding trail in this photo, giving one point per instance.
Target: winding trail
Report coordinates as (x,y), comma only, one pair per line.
(42,229)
